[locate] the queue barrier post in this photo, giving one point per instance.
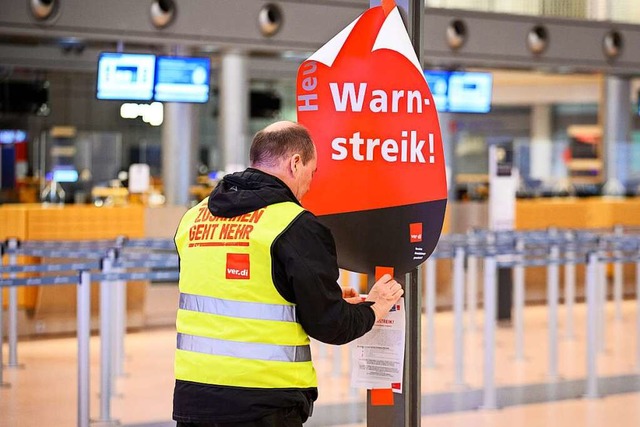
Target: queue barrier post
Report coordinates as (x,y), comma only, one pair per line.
(638,309)
(120,292)
(472,282)
(458,309)
(83,335)
(472,291)
(519,298)
(552,306)
(489,400)
(618,275)
(602,302)
(570,286)
(592,325)
(106,341)
(12,246)
(2,383)
(119,289)
(430,296)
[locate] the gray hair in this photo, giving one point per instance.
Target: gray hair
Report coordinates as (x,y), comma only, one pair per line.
(269,147)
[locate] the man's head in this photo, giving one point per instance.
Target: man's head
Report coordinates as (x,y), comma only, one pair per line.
(285,149)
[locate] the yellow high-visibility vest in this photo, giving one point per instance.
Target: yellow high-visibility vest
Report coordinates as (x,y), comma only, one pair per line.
(234,328)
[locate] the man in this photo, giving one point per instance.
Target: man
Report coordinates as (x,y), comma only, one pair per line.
(258,276)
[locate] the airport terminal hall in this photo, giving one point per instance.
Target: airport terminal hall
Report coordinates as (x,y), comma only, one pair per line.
(330,213)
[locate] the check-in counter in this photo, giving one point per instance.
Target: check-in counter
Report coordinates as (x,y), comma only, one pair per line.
(536,214)
(595,212)
(52,308)
(587,213)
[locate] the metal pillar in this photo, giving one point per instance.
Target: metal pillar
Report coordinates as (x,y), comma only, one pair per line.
(541,153)
(617,125)
(412,370)
(179,148)
(234,110)
(413,351)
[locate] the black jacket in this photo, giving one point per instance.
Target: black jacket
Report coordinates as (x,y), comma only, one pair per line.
(305,272)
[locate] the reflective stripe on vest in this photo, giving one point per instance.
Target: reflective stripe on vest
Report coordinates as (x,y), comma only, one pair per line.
(247,310)
(245,350)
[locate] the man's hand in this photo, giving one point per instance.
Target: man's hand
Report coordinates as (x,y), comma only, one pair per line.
(351,296)
(384,294)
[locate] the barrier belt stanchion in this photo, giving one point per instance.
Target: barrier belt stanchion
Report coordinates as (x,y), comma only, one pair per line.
(472,291)
(570,288)
(618,275)
(458,309)
(120,293)
(519,297)
(552,305)
(602,303)
(113,329)
(84,335)
(490,312)
(638,312)
(12,245)
(119,289)
(106,341)
(430,307)
(592,324)
(2,383)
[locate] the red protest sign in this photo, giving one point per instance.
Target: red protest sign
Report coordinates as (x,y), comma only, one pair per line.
(381,174)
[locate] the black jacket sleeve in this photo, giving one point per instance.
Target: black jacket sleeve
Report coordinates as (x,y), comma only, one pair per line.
(305,272)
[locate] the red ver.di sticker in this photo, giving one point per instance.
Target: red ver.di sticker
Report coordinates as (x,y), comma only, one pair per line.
(237,266)
(415,232)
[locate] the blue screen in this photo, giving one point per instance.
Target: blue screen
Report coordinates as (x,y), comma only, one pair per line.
(182,79)
(64,175)
(438,82)
(126,76)
(12,136)
(459,91)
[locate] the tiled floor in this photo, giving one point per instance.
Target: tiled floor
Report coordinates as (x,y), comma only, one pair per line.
(43,392)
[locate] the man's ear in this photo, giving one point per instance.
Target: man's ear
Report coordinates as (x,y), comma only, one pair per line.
(295,163)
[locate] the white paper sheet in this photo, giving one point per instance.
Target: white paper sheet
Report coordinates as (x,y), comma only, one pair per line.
(378,356)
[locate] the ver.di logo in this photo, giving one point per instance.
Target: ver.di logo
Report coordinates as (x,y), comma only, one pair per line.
(238,266)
